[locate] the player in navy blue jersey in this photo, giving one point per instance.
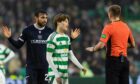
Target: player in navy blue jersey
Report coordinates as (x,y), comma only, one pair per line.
(35,37)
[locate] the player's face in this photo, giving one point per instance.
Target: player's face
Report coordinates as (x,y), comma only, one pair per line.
(64,25)
(42,19)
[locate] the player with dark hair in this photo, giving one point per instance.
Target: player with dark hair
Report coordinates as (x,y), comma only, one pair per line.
(35,36)
(117,37)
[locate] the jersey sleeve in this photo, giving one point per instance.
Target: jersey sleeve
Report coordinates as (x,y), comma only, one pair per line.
(21,40)
(7,51)
(49,55)
(50,46)
(131,38)
(10,55)
(74,59)
(22,36)
(106,33)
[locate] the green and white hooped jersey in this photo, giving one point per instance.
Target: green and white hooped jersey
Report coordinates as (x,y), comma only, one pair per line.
(4,52)
(58,45)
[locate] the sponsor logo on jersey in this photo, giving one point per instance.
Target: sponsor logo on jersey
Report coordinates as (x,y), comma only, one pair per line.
(38,41)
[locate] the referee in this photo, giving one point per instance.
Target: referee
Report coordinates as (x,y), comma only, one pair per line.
(117,37)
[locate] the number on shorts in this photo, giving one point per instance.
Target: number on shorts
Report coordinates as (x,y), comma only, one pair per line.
(46,77)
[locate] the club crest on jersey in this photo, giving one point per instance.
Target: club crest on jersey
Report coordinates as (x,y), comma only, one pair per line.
(65,50)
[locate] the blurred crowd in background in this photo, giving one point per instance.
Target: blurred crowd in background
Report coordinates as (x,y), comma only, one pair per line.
(88,15)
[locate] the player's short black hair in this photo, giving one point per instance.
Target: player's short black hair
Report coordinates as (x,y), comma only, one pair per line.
(59,18)
(115,10)
(40,11)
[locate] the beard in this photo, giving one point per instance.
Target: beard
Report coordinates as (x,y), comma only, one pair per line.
(41,24)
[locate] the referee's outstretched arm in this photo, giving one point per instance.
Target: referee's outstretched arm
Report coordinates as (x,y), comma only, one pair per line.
(131,42)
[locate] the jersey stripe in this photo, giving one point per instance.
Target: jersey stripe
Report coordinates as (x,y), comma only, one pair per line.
(59,47)
(62,47)
(3,53)
(60,70)
(62,39)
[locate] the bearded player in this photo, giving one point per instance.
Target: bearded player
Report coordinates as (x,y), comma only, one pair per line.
(35,36)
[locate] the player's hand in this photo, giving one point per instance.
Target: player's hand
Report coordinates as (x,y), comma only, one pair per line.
(75,33)
(1,63)
(84,71)
(90,49)
(6,31)
(59,81)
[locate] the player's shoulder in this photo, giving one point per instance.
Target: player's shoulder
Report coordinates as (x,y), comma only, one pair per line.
(52,36)
(27,28)
(2,47)
(107,26)
(49,29)
(66,35)
(126,26)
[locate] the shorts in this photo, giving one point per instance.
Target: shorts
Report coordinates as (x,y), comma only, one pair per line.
(36,76)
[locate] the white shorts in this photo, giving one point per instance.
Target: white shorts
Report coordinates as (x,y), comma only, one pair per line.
(2,78)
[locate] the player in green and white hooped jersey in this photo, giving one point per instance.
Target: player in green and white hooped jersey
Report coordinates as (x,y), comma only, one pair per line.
(5,55)
(58,52)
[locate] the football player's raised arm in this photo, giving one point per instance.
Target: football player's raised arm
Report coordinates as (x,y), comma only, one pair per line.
(50,51)
(20,42)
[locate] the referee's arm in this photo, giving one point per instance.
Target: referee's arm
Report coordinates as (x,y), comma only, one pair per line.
(106,33)
(131,41)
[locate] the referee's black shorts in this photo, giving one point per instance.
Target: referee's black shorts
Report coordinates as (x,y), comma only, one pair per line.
(117,70)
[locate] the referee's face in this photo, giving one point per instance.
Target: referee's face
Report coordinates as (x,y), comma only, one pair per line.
(42,19)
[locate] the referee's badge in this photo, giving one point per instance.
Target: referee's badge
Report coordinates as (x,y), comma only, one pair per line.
(103,36)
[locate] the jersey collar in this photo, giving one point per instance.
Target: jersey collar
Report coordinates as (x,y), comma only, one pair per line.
(35,25)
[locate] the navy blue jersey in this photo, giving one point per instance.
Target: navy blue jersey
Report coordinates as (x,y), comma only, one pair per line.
(35,40)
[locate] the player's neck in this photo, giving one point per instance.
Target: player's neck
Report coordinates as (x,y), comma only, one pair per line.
(59,30)
(115,19)
(38,27)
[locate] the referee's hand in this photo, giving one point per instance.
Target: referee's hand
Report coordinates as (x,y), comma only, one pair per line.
(90,49)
